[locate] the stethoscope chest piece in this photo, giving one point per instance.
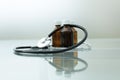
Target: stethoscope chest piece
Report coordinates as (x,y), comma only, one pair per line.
(44,42)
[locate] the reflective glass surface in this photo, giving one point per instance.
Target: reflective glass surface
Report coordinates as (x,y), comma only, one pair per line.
(98,63)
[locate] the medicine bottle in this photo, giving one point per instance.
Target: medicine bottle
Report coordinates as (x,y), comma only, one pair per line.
(75,40)
(56,38)
(66,35)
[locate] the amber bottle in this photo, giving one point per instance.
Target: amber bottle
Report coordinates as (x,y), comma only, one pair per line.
(56,38)
(75,40)
(66,36)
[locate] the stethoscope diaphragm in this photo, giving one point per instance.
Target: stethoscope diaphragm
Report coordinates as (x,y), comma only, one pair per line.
(44,42)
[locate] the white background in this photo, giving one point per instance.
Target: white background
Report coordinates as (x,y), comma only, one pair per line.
(33,19)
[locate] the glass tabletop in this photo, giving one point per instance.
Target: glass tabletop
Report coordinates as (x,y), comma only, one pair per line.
(94,64)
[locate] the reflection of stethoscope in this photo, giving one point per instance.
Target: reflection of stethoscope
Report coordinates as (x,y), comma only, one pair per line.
(43,44)
(71,70)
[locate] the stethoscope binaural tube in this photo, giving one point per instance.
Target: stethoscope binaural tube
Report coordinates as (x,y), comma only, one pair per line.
(21,48)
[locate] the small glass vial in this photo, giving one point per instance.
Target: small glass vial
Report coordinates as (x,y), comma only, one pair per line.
(56,38)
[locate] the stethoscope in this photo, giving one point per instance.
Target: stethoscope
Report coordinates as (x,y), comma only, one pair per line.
(44,44)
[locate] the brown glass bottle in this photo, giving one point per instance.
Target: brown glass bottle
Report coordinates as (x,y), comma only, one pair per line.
(56,40)
(66,36)
(75,40)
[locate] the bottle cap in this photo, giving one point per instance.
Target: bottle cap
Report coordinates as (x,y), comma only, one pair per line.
(64,22)
(57,22)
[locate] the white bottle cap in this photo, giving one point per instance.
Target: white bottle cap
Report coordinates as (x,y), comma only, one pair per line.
(57,22)
(66,22)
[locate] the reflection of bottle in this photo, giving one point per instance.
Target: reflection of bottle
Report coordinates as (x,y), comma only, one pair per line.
(75,55)
(68,62)
(65,62)
(56,41)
